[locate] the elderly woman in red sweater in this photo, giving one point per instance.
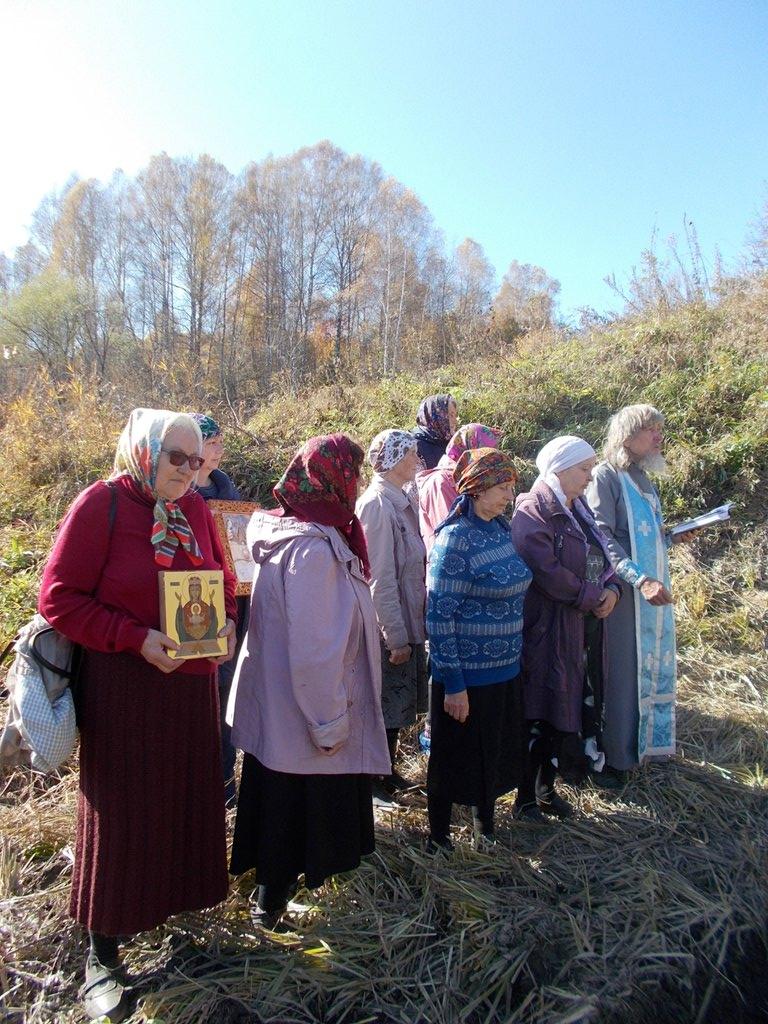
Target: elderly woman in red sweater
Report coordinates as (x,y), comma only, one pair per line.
(151,822)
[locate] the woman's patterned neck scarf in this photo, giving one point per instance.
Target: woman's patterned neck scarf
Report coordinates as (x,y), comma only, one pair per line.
(433,418)
(320,486)
(138,453)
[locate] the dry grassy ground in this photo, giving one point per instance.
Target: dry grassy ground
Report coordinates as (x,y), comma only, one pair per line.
(649,906)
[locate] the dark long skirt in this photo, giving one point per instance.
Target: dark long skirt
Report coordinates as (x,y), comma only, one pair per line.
(289,825)
(592,716)
(151,838)
(404,688)
(475,762)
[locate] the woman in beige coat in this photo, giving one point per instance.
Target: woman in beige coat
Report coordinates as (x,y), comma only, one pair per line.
(397,556)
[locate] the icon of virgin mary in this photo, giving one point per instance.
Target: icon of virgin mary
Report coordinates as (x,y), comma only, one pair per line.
(196,619)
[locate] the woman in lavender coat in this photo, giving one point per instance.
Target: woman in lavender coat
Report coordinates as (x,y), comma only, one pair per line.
(573,589)
(305,704)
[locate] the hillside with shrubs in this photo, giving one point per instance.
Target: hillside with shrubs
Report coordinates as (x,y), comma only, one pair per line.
(652,905)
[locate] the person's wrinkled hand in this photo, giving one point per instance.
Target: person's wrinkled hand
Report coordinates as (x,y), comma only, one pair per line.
(608,602)
(330,751)
(229,632)
(655,592)
(154,650)
(457,705)
(400,655)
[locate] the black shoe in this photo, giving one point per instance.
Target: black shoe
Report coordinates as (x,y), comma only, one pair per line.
(436,845)
(556,806)
(609,778)
(104,992)
(268,920)
(382,798)
(395,783)
(529,813)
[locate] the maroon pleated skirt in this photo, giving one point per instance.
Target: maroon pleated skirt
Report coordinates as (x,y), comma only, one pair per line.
(151,838)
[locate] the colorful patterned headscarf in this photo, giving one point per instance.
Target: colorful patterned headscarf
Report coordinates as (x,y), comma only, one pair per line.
(472,435)
(320,486)
(390,447)
(138,452)
(481,468)
(477,470)
(208,426)
(433,417)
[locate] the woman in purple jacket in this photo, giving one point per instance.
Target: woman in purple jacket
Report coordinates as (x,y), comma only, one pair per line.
(573,590)
(305,705)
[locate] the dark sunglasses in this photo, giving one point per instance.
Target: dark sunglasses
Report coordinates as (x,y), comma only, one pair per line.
(179,458)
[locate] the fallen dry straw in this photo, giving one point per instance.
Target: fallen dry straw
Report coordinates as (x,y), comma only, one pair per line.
(650,906)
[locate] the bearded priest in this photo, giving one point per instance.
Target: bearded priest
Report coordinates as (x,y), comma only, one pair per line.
(640,681)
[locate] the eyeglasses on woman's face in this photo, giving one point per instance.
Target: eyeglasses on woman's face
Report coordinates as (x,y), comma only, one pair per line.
(178,458)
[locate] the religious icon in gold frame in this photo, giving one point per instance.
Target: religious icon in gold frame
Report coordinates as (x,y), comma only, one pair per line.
(231,519)
(192,612)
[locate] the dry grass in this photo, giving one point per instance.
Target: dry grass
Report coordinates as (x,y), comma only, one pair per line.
(650,906)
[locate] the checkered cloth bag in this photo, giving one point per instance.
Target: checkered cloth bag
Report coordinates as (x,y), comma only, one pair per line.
(41,726)
(40,730)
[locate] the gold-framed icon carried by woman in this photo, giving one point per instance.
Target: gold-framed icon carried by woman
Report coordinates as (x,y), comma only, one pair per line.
(192,612)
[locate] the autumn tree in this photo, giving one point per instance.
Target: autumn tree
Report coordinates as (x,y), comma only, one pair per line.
(186,280)
(473,284)
(525,301)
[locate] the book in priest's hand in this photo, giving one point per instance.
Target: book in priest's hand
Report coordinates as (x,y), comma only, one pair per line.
(711,518)
(192,612)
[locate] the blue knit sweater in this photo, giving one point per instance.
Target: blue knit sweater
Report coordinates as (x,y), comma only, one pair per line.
(477,584)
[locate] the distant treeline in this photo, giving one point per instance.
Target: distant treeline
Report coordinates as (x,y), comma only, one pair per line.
(235,285)
(189,280)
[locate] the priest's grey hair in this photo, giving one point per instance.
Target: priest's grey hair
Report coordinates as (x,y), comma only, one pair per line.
(623,426)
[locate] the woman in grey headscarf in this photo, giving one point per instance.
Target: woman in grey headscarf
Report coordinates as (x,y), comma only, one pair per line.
(436,422)
(213,484)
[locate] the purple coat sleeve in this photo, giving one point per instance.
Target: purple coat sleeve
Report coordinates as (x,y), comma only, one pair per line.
(535,542)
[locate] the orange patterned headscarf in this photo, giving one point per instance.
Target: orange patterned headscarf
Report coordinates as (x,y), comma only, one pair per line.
(481,468)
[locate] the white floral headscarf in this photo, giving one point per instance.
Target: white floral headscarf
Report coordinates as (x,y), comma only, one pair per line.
(390,447)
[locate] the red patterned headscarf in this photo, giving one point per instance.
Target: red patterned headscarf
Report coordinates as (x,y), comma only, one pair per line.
(320,486)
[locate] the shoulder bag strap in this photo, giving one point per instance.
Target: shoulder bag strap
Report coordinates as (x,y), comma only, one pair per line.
(39,658)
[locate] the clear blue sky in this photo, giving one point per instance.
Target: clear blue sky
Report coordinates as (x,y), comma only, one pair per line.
(557,133)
